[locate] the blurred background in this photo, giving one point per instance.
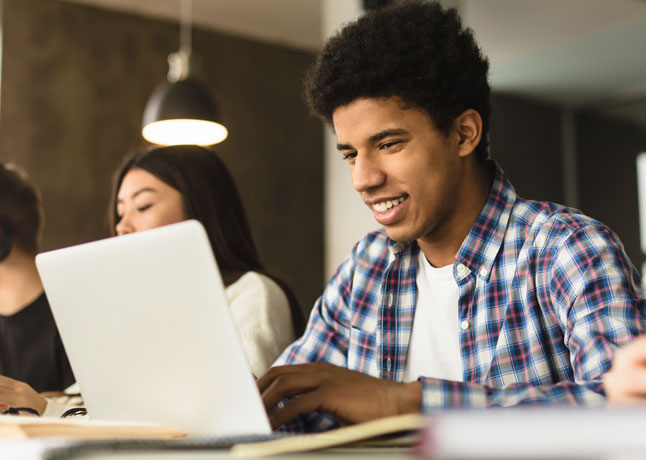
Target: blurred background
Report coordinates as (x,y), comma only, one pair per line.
(569,101)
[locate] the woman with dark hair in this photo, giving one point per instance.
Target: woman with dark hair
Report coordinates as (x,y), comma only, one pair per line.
(166,185)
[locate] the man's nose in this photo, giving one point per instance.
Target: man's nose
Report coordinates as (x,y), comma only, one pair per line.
(366,173)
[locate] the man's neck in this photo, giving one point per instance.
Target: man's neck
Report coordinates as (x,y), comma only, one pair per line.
(441,248)
(20,284)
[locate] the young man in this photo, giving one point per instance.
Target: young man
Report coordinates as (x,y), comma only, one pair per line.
(469,296)
(31,351)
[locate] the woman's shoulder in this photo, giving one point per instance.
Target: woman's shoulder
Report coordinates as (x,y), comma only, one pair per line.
(254,279)
(253,284)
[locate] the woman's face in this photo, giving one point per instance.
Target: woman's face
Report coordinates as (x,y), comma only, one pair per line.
(145,202)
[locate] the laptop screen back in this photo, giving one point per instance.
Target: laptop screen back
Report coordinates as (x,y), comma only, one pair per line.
(146,325)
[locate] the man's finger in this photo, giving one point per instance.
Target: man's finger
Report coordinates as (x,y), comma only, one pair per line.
(306,402)
(265,380)
(288,385)
(291,369)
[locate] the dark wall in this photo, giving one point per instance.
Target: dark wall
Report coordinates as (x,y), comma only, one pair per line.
(525,139)
(74,85)
(607,156)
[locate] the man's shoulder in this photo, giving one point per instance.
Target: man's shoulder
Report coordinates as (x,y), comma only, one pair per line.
(553,220)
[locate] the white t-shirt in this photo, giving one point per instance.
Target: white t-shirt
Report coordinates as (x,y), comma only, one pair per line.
(434,348)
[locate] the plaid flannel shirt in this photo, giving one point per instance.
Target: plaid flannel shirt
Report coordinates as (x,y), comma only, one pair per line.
(546,296)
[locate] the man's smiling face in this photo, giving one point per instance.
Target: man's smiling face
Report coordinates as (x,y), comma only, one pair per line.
(406,171)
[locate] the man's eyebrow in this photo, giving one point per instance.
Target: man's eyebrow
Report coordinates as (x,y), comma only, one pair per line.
(386,133)
(139,192)
(376,137)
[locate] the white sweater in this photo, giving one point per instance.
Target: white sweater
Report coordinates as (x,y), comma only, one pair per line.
(261,313)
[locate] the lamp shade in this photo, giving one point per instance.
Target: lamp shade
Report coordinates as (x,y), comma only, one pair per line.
(182,112)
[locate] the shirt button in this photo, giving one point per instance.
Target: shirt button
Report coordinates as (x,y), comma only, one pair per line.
(540,240)
(462,269)
(483,272)
(464,325)
(390,300)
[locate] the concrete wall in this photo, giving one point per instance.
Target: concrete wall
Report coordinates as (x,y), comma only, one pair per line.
(74,85)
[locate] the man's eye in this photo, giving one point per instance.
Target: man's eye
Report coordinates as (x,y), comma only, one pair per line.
(349,156)
(388,145)
(144,207)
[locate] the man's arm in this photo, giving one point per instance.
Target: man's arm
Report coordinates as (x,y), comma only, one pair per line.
(352,397)
(348,396)
(586,281)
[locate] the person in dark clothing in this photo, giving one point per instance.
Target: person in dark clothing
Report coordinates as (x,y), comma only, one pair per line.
(31,350)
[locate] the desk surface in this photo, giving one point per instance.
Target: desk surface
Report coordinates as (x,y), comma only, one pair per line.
(380,453)
(30,450)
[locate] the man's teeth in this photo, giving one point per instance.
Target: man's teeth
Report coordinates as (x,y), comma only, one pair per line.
(385,205)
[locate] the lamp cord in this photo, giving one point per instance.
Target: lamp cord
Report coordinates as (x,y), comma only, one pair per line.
(179,62)
(185,31)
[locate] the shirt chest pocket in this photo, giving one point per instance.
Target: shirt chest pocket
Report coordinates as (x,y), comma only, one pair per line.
(362,352)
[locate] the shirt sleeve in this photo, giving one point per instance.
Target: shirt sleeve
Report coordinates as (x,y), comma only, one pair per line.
(325,339)
(588,282)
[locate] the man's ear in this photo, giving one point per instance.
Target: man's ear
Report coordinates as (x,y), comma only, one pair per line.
(469,130)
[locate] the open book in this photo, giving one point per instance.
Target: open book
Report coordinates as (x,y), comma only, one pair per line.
(395,431)
(12,427)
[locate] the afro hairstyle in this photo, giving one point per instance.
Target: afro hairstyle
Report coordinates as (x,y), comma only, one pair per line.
(416,51)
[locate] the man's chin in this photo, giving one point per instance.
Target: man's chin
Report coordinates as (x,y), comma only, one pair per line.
(399,234)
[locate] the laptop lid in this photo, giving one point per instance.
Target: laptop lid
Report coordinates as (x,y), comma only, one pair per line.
(146,325)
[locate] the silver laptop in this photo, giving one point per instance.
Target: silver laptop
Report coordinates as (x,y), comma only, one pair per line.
(146,325)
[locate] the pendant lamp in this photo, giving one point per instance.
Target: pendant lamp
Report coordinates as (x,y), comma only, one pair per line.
(181,110)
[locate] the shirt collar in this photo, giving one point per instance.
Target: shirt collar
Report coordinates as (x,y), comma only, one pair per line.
(481,246)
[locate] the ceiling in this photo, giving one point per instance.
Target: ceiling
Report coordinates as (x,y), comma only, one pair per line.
(576,53)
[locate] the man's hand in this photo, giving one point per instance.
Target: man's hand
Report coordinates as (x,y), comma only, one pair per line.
(349,396)
(625,383)
(14,393)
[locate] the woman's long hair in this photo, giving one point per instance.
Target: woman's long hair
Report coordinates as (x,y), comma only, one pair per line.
(210,196)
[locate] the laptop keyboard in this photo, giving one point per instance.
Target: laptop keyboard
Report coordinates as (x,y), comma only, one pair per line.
(79,449)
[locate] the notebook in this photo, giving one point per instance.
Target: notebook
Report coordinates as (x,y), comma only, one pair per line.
(147,329)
